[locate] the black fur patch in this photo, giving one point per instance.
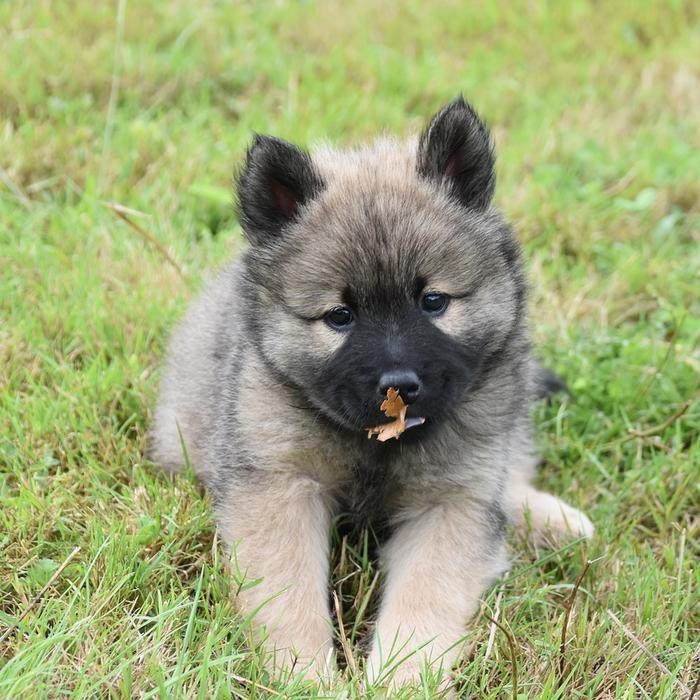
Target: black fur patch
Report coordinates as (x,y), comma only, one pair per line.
(445,365)
(366,497)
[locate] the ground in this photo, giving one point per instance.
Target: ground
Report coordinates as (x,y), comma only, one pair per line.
(595,110)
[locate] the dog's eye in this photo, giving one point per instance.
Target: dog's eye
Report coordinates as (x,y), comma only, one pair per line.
(339,317)
(434,302)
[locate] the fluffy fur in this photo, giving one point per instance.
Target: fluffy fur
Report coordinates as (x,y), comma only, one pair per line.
(269,399)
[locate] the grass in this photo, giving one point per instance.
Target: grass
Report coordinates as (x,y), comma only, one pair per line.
(595,108)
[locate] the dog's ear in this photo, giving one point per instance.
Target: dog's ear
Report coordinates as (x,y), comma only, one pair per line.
(455,149)
(276,181)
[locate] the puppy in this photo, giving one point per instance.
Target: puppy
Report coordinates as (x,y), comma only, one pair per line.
(381,267)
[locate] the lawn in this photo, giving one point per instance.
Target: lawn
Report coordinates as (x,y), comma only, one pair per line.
(112,583)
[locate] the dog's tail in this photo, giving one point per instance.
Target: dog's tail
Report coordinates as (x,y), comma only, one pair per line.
(548,384)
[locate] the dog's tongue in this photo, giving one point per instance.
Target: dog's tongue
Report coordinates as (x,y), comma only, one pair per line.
(413,422)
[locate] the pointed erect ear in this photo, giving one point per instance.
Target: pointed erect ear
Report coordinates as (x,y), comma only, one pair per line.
(277,180)
(455,149)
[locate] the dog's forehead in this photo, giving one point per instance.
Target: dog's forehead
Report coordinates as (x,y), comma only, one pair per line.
(375,235)
(378,231)
(376,210)
(385,157)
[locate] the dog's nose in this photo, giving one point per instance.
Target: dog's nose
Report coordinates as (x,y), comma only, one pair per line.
(405,380)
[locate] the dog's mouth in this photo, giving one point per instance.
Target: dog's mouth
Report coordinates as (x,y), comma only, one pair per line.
(369,419)
(394,429)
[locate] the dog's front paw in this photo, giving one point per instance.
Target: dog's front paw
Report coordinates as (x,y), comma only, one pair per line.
(394,673)
(319,667)
(405,673)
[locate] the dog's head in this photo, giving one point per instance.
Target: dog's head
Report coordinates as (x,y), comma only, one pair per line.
(380,267)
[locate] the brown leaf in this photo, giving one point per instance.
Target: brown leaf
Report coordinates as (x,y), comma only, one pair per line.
(393,407)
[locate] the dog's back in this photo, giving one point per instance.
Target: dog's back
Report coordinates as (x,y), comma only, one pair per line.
(191,381)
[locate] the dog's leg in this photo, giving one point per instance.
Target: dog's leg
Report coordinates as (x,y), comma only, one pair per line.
(438,562)
(277,527)
(548,519)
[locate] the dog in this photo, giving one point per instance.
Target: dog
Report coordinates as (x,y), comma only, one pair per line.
(381,267)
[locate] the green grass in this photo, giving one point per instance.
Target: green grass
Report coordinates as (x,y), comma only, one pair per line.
(595,108)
